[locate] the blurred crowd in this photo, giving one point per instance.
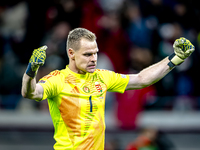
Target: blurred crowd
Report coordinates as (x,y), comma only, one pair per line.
(131,35)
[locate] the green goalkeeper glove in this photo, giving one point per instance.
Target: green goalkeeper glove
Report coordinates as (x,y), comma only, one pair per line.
(183,48)
(37,59)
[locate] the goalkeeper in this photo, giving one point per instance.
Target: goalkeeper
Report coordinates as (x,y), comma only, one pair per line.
(76,94)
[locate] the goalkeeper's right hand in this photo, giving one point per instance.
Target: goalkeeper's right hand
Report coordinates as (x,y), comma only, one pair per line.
(183,48)
(37,59)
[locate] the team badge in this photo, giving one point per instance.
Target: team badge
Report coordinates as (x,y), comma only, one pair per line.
(86,89)
(42,81)
(98,87)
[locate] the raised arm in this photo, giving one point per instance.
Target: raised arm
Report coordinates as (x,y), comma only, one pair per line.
(30,89)
(182,49)
(149,75)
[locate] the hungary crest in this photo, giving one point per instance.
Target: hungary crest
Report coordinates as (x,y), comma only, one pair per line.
(86,89)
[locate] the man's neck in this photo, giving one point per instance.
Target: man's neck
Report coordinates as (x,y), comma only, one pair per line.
(75,69)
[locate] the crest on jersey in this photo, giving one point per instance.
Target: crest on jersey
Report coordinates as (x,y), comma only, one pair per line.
(86,89)
(98,87)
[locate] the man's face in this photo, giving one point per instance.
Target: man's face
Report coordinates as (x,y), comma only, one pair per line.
(86,56)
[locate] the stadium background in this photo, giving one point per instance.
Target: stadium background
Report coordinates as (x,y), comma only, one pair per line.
(131,35)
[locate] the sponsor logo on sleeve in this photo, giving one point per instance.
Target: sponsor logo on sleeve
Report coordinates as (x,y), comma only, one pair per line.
(123,76)
(42,81)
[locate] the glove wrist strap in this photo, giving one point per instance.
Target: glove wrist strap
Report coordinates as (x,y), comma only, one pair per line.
(30,72)
(174,60)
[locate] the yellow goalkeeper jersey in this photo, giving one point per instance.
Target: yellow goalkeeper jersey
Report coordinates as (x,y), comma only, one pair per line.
(77,103)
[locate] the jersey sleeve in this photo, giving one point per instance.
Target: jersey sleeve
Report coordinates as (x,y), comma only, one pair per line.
(52,84)
(115,82)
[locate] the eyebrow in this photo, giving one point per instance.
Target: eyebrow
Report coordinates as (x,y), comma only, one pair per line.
(88,52)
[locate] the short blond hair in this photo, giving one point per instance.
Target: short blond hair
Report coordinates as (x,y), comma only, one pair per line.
(74,37)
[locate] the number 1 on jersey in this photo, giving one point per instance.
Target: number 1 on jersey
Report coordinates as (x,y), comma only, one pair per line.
(90,100)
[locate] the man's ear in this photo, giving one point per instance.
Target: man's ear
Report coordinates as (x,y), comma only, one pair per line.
(71,53)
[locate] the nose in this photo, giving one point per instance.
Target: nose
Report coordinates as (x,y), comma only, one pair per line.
(94,57)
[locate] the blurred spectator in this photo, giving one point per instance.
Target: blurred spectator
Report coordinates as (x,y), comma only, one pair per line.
(140,30)
(183,11)
(35,30)
(145,140)
(150,139)
(12,29)
(113,41)
(55,39)
(64,11)
(91,13)
(132,102)
(111,5)
(163,10)
(140,58)
(184,100)
(13,22)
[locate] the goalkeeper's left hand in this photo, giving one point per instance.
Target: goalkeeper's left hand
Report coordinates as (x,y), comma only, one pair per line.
(183,48)
(37,59)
